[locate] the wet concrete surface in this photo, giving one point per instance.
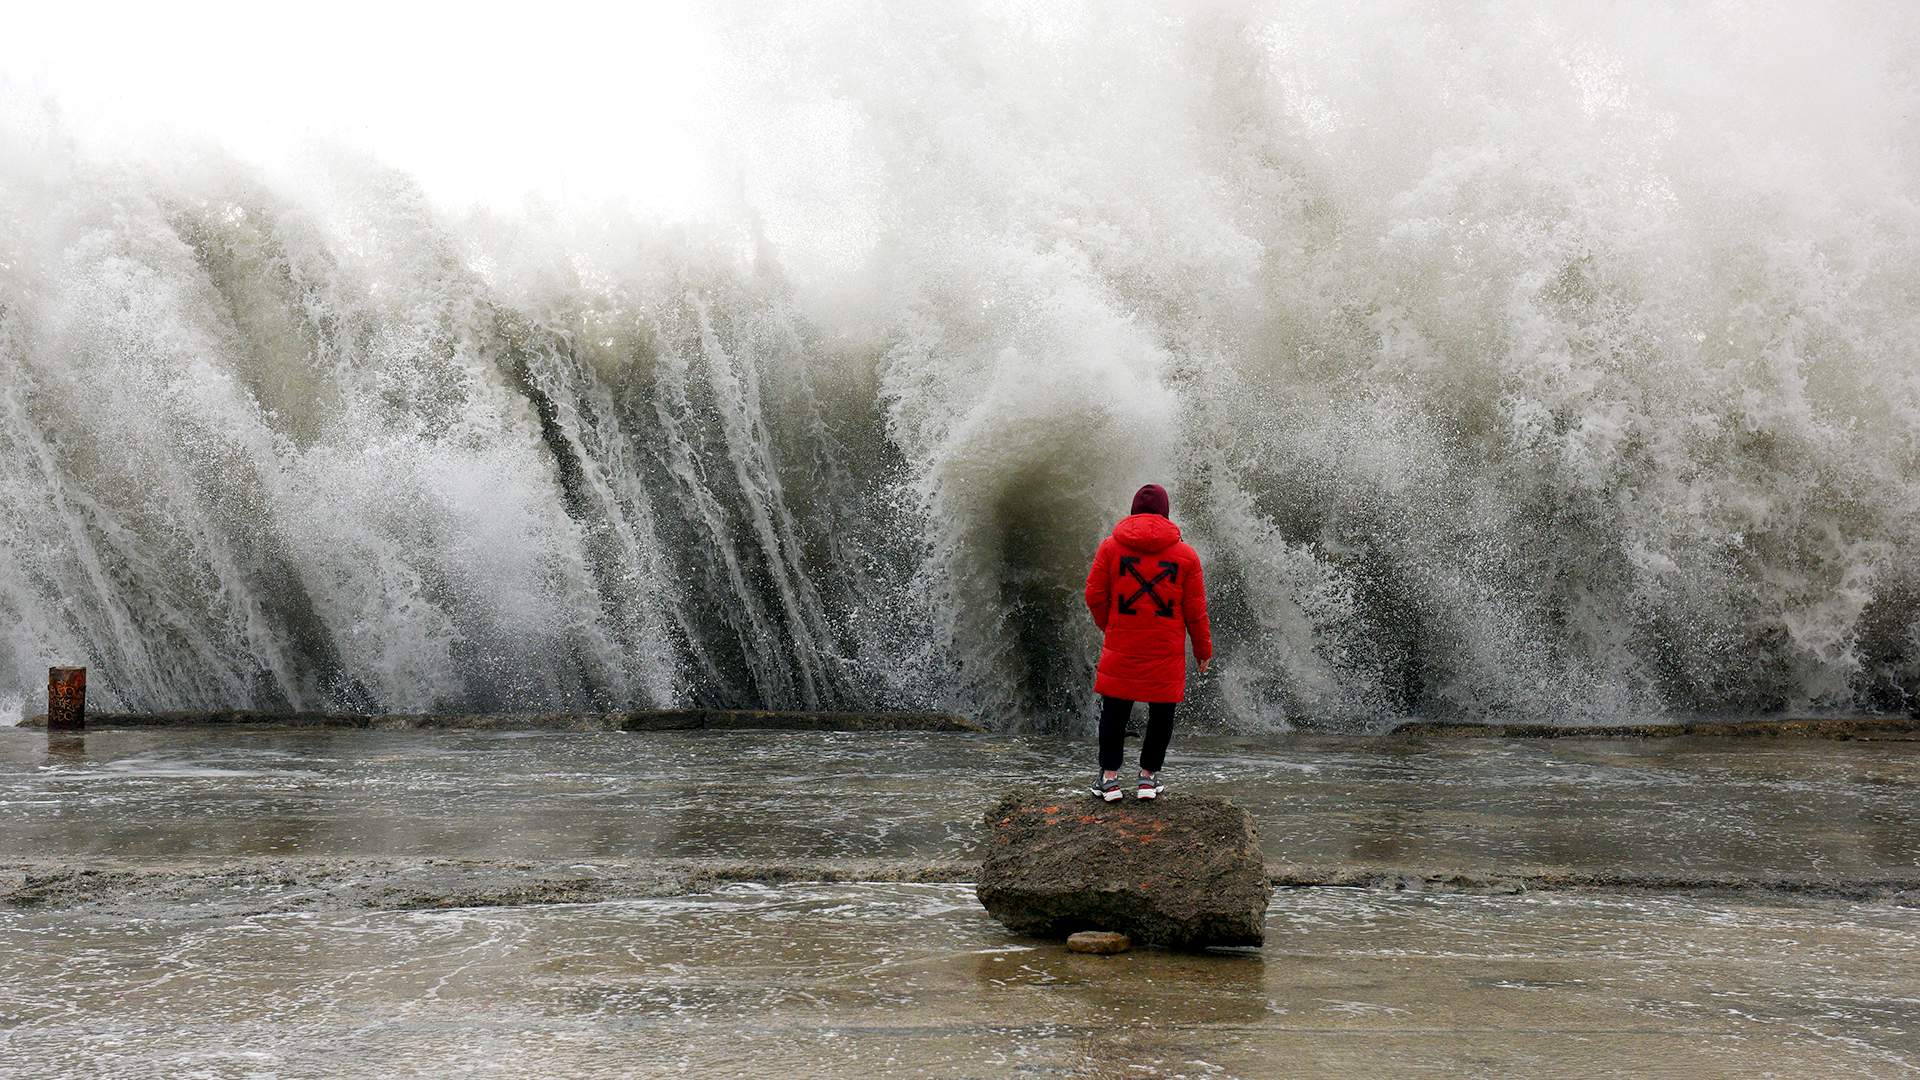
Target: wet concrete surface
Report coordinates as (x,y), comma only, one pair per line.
(1725,810)
(378,903)
(914,980)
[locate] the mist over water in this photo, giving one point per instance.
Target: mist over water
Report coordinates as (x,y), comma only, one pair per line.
(1502,360)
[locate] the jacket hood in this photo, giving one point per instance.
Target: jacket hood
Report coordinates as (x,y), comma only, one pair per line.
(1146,532)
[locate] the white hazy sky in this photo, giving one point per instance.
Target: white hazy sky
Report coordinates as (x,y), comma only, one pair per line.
(483,102)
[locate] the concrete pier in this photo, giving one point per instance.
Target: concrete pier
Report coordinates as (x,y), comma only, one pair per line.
(365,903)
(633,720)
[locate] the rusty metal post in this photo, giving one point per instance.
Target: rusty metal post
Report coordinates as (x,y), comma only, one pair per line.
(66,699)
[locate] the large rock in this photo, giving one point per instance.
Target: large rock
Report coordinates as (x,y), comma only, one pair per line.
(1182,870)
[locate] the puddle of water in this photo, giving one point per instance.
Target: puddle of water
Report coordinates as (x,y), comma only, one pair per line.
(1679,806)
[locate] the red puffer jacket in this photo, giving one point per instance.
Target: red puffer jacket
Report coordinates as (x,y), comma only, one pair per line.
(1145,590)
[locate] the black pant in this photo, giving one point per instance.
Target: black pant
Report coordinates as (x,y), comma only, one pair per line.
(1113,733)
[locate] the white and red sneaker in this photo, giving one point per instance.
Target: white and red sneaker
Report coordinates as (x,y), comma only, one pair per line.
(1150,787)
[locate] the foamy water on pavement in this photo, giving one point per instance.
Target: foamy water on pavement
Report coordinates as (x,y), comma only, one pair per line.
(915,980)
(340,903)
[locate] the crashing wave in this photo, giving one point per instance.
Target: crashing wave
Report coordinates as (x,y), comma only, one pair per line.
(1560,379)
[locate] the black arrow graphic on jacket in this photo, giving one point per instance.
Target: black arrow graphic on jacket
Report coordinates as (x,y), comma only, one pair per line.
(1169,572)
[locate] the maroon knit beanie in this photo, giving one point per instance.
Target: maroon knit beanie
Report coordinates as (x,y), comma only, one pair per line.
(1151,499)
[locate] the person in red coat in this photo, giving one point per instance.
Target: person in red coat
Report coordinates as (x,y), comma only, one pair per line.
(1147,594)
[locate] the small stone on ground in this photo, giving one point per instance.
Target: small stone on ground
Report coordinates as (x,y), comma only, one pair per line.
(1099,942)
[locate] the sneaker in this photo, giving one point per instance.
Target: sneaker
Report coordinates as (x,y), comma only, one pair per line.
(1150,787)
(1108,788)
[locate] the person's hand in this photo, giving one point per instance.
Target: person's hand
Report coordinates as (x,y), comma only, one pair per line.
(1204,663)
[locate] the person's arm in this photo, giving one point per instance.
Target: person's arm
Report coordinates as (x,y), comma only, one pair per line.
(1195,603)
(1100,584)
